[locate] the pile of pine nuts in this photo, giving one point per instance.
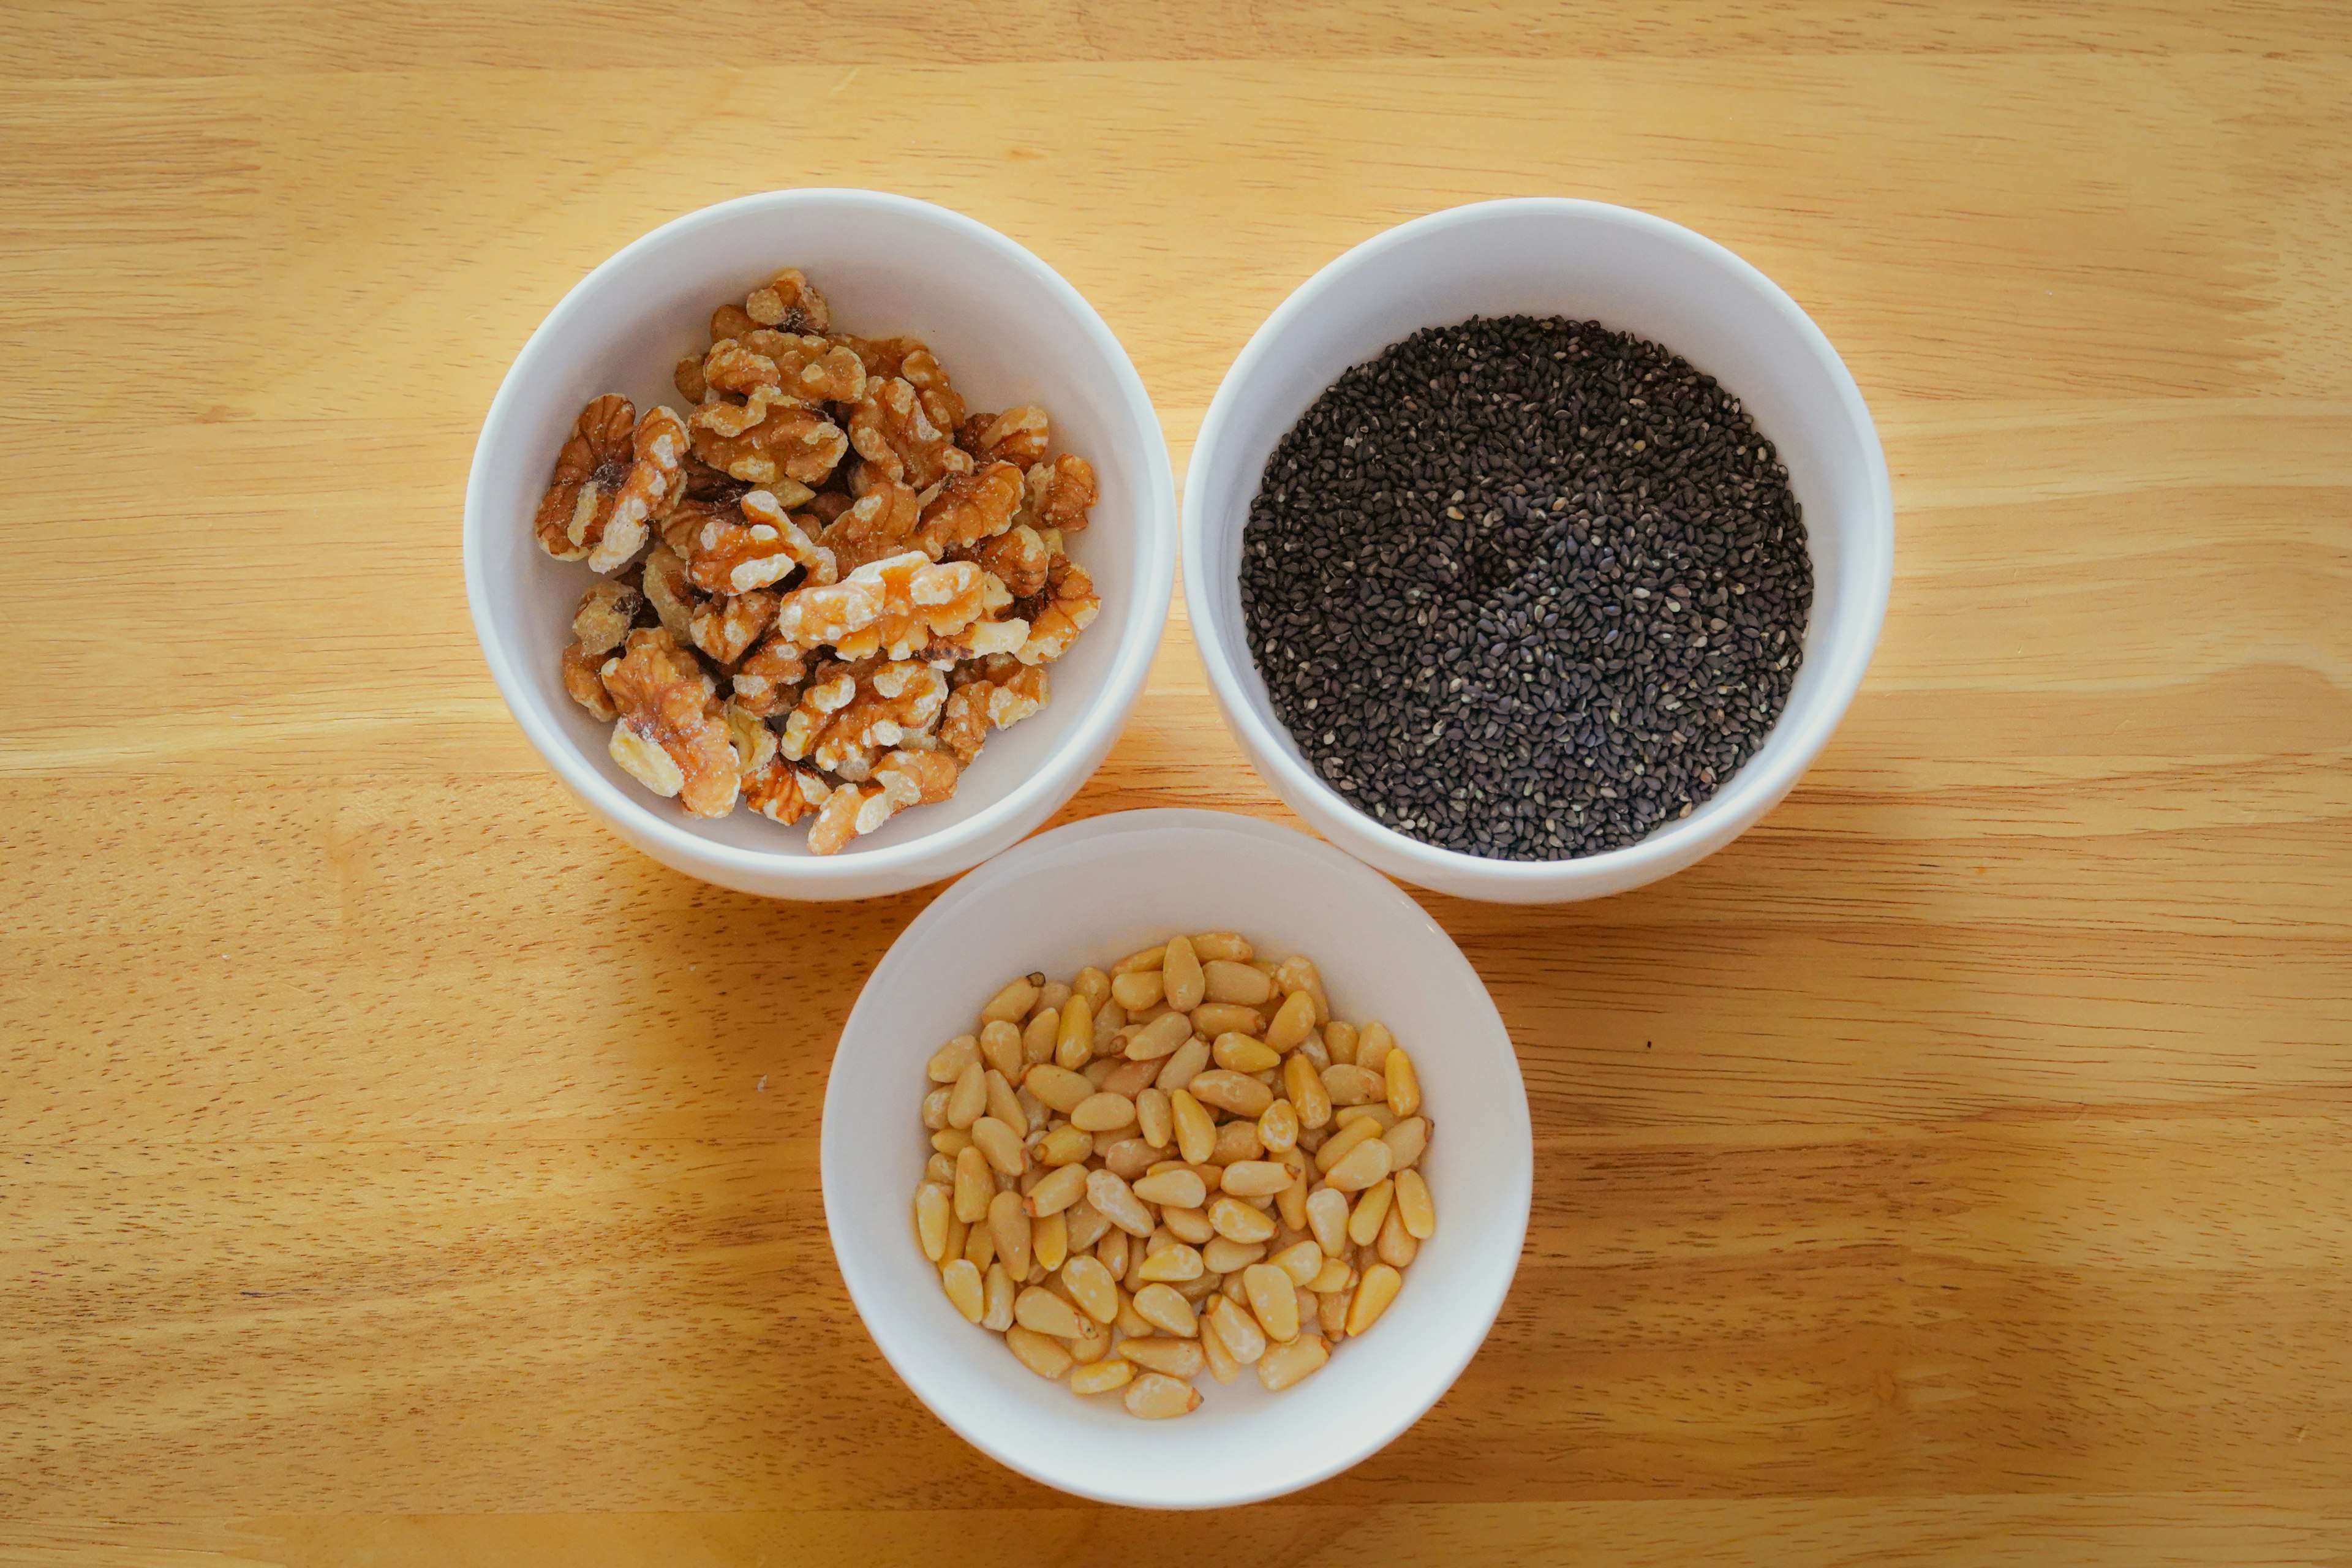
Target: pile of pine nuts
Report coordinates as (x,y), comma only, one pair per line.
(1183,1164)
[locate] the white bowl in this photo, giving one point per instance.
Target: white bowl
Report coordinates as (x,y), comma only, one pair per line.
(1584,260)
(1008,329)
(1092,892)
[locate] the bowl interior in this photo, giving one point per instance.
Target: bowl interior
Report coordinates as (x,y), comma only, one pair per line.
(1582,260)
(1091,893)
(1003,324)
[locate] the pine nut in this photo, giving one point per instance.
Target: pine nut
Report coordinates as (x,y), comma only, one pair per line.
(1146,962)
(1291,1202)
(1284,1366)
(1196,1130)
(1243,1339)
(1233,1291)
(1000,1049)
(948,1061)
(1237,1221)
(996,1299)
(1163,1036)
(1097,1070)
(1327,1217)
(1331,1313)
(1303,1086)
(1344,1142)
(1064,1145)
(1048,1358)
(1404,1082)
(1416,1210)
(1129,1079)
(1198,1289)
(1373,1043)
(1211,1020)
(973,1187)
(1255,1178)
(1231,946)
(1223,1255)
(934,1206)
(1397,1246)
(1311,1047)
(1178,1187)
(1093,984)
(1302,1261)
(1044,1312)
(1181,969)
(1179,1070)
(1103,1112)
(1277,1129)
(1038,1036)
(1377,1112)
(1366,1164)
(1220,1363)
(1171,1265)
(1232,1091)
(939,1168)
(1138,988)
(1372,1208)
(935,1109)
(1088,1226)
(1153,1118)
(1102,1376)
(1293,1022)
(1002,1103)
(980,1244)
(968,1101)
(1058,1087)
(1001,1145)
(958,1234)
(1124,1156)
(1297,973)
(1155,1397)
(1127,1323)
(965,1290)
(1236,1141)
(1239,1053)
(1112,1251)
(1176,1358)
(1223,981)
(1340,1040)
(1272,1300)
(1118,1202)
(1013,1004)
(1091,1286)
(1353,1084)
(1008,1226)
(1406,1140)
(1332,1276)
(1049,1240)
(1074,1036)
(1187,1225)
(1374,1291)
(1164,1309)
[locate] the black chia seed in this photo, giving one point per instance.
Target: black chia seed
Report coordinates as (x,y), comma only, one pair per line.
(1526,589)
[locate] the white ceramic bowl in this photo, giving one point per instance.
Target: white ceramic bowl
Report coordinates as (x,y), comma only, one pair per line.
(1585,260)
(1007,328)
(1092,892)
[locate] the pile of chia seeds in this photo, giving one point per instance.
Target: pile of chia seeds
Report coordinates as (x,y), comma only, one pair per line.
(1526,589)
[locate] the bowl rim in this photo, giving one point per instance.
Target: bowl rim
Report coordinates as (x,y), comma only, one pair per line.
(1155,523)
(1351,878)
(1748,795)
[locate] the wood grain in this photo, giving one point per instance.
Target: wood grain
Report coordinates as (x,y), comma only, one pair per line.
(394,1168)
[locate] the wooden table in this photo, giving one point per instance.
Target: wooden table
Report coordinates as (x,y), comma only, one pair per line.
(394,1168)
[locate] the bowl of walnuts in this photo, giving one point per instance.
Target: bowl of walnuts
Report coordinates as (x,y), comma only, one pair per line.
(819,541)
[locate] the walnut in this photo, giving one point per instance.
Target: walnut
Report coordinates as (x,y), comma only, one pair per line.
(725,629)
(1067,606)
(788,300)
(607,610)
(705,483)
(589,473)
(755,547)
(1018,436)
(878,523)
(670,591)
(969,508)
(582,679)
(806,369)
(889,428)
(856,809)
(893,606)
(655,480)
(934,771)
(853,712)
(768,437)
(785,792)
(1059,494)
(768,681)
(984,637)
(827,506)
(882,357)
(941,402)
(996,692)
(754,743)
(731,322)
(1017,558)
(689,381)
(672,733)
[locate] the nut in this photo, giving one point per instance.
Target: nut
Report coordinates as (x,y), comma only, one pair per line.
(672,731)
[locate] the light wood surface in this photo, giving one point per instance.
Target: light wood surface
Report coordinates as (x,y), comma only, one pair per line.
(394,1168)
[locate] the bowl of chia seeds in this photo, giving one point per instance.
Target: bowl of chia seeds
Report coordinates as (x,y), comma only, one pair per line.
(1534,548)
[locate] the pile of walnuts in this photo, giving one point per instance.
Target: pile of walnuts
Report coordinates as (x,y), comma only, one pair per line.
(824,586)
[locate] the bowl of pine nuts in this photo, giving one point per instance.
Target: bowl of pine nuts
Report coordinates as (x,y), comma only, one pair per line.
(1132,1159)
